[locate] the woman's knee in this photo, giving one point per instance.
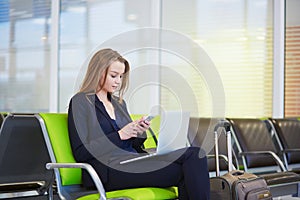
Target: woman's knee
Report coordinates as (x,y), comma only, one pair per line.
(196,151)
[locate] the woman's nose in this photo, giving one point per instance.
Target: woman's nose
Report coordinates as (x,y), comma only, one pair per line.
(118,80)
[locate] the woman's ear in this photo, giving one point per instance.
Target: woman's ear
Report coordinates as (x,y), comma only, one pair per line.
(102,79)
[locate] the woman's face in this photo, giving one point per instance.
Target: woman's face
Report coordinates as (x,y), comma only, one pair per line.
(114,77)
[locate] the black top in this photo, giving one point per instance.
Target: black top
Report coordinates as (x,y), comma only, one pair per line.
(117,124)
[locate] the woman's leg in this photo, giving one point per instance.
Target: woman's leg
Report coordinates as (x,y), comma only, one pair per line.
(196,175)
(164,177)
(184,168)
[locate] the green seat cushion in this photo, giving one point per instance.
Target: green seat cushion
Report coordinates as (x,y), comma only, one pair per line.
(148,193)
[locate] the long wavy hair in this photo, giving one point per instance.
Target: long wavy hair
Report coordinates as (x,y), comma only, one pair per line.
(98,65)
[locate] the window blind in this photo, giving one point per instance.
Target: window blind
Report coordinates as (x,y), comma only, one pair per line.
(237,35)
(292,71)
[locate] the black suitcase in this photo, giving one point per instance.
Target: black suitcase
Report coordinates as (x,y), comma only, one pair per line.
(235,184)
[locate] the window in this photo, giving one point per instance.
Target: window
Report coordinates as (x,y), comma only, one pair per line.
(89,25)
(24,55)
(237,35)
(292,60)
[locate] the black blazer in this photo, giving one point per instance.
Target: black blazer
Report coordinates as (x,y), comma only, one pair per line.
(93,135)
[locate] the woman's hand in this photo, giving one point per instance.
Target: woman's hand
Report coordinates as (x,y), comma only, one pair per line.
(134,128)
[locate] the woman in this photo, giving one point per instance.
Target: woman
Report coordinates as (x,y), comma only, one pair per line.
(102,134)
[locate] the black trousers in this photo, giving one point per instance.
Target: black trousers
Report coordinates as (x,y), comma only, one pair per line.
(185,168)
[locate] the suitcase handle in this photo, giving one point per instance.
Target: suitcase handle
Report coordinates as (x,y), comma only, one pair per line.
(222,124)
(226,125)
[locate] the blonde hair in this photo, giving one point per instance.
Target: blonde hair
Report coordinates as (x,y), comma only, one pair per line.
(98,65)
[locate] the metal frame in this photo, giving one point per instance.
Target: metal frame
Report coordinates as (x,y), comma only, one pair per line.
(278,57)
(51,154)
(275,135)
(53,80)
(284,151)
(85,166)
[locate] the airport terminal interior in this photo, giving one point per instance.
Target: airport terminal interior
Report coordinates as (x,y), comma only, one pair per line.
(233,65)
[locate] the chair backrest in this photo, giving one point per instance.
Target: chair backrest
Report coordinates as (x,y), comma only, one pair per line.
(1,119)
(151,141)
(55,130)
(288,132)
(253,135)
(201,134)
(23,154)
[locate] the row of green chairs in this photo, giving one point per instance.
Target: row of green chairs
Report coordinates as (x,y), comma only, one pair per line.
(53,128)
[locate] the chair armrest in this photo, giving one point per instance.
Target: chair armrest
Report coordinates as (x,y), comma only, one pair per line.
(274,156)
(221,156)
(87,167)
(290,150)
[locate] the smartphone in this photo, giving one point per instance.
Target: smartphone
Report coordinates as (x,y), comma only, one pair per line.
(149,118)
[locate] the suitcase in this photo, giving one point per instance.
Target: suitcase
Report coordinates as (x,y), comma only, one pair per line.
(235,184)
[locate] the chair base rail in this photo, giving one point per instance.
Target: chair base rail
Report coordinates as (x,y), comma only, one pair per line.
(286,189)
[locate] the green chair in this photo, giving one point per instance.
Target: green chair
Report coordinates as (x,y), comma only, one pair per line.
(68,172)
